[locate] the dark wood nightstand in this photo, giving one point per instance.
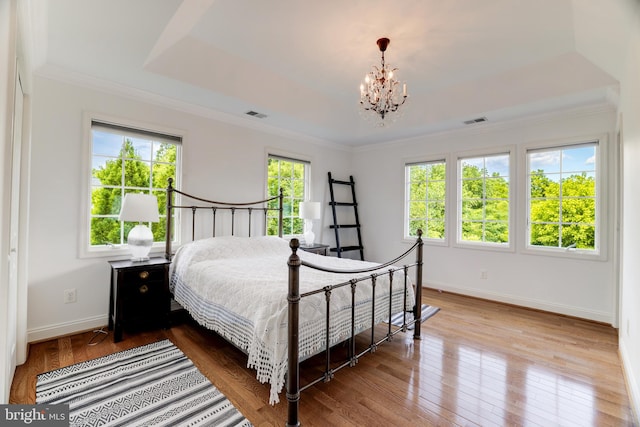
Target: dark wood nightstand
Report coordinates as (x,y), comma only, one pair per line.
(316,248)
(139,295)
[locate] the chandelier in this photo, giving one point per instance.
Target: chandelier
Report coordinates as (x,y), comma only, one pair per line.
(380,93)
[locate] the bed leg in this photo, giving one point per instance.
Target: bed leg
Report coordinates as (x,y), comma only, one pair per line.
(418,307)
(293,369)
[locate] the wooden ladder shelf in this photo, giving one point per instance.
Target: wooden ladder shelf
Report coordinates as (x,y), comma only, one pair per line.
(337,227)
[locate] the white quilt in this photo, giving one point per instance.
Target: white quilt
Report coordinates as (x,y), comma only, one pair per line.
(237,286)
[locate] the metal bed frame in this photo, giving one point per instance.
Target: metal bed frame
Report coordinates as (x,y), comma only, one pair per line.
(294,297)
(214,206)
(369,275)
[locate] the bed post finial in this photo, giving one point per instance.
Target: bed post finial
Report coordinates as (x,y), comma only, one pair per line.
(417,311)
(293,369)
(294,244)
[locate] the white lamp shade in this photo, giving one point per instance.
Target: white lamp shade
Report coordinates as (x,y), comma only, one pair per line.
(309,210)
(137,207)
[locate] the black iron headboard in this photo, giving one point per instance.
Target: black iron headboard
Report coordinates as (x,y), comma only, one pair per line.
(214,206)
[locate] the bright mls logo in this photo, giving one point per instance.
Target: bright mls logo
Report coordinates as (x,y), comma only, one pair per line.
(36,415)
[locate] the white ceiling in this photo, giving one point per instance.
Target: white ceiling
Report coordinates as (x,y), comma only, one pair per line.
(301,62)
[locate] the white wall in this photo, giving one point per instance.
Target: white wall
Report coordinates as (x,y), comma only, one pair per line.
(578,287)
(630,275)
(220,161)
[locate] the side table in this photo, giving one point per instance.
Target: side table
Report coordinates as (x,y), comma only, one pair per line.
(139,295)
(316,248)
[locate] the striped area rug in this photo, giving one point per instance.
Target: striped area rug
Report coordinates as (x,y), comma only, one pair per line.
(427,312)
(151,385)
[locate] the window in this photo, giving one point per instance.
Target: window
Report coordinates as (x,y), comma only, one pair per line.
(562,197)
(425,195)
(292,176)
(483,201)
(125,160)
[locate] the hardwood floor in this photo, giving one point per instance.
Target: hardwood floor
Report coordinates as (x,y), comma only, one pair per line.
(478,363)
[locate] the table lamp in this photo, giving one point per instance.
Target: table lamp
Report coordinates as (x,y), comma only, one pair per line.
(309,211)
(138,207)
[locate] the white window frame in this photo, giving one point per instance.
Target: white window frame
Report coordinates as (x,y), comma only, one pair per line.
(292,157)
(489,152)
(601,233)
(86,250)
(419,161)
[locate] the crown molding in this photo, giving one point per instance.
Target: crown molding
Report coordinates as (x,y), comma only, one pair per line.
(60,74)
(608,104)
(32,39)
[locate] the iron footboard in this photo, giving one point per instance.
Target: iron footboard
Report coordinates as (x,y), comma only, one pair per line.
(294,298)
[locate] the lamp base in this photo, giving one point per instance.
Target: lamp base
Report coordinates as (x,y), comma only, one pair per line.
(140,240)
(309,235)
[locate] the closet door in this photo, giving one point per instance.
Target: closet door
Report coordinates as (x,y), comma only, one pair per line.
(14,234)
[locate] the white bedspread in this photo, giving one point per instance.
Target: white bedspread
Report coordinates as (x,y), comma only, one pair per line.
(237,286)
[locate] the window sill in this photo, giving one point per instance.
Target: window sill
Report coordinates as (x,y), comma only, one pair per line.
(426,241)
(495,247)
(565,253)
(119,251)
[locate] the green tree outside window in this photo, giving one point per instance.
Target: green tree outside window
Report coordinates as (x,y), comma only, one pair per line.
(426,195)
(562,197)
(123,164)
(484,201)
(291,176)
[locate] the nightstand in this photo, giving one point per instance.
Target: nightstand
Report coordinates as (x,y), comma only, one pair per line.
(139,295)
(316,248)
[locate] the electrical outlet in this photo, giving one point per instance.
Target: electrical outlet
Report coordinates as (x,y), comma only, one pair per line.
(483,274)
(70,296)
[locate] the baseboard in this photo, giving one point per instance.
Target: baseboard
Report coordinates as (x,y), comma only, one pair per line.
(633,388)
(67,328)
(598,316)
